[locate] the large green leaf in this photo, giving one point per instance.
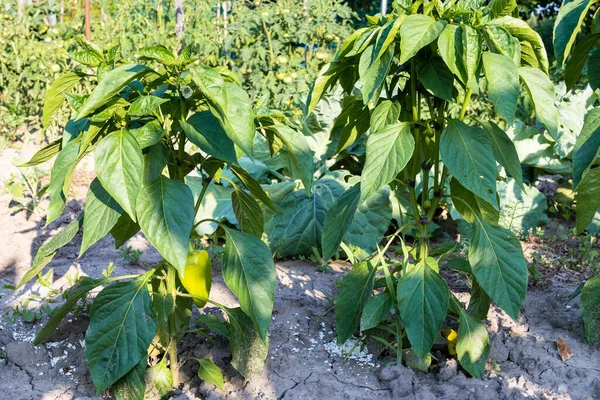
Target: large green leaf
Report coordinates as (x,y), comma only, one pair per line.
(468,154)
(528,38)
(165,211)
(590,305)
(436,77)
(504,151)
(423,300)
(61,176)
(498,263)
(521,207)
(124,229)
(588,200)
(48,250)
(473,344)
(502,7)
(159,53)
(248,212)
(149,134)
(370,221)
(338,220)
(248,350)
(450,45)
(472,50)
(479,303)
(593,67)
(324,82)
(567,25)
(499,40)
(354,293)
(503,84)
(155,161)
(216,204)
(388,151)
(249,272)
(210,373)
(385,37)
(120,166)
(416,32)
(111,84)
(240,117)
(205,131)
(44,154)
(122,325)
(541,91)
(252,185)
(54,97)
(372,73)
(578,58)
(587,145)
(102,213)
(470,206)
(377,308)
(300,153)
(145,105)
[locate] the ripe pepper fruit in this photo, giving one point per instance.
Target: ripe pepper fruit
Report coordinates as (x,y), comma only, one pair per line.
(197,276)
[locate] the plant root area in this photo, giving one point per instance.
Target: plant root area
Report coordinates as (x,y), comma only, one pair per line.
(304,361)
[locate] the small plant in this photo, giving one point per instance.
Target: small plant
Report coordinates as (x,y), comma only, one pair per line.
(418,69)
(161,133)
(27,190)
(130,255)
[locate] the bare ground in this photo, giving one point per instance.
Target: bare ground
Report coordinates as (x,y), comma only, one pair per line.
(303,360)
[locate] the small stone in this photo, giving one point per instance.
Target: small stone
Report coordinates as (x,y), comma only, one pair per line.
(448,370)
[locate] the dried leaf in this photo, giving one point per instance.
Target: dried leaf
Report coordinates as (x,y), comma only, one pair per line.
(563,350)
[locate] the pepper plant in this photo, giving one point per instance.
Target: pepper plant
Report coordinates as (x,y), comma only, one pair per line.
(573,55)
(156,129)
(417,70)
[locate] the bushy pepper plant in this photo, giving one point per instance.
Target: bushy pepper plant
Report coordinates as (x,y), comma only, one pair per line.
(417,70)
(150,126)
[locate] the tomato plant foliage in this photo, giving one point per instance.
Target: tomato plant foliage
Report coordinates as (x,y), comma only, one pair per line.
(157,132)
(417,70)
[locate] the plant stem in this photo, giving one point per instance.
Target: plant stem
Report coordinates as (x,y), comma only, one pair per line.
(465,104)
(172,288)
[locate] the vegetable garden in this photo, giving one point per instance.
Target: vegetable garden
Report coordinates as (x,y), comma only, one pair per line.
(307,199)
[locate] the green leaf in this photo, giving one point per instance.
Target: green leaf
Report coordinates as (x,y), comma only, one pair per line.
(145,105)
(435,76)
(353,295)
(300,154)
(578,59)
(102,213)
(502,7)
(240,117)
(470,206)
(111,84)
(467,153)
(376,309)
(205,131)
(165,211)
(499,40)
(54,97)
(498,263)
(522,207)
(120,167)
(122,325)
(44,154)
(370,222)
(60,179)
(527,37)
(124,229)
(479,303)
(210,373)
(133,385)
(385,37)
(149,134)
(450,46)
(323,83)
(75,293)
(504,151)
(541,91)
(423,300)
(386,113)
(416,32)
(160,377)
(249,272)
(216,204)
(372,73)
(159,53)
(88,58)
(503,84)
(214,324)
(338,220)
(588,201)
(248,212)
(590,304)
(155,161)
(567,25)
(473,344)
(252,185)
(388,151)
(472,50)
(350,124)
(248,351)
(587,145)
(593,68)
(48,250)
